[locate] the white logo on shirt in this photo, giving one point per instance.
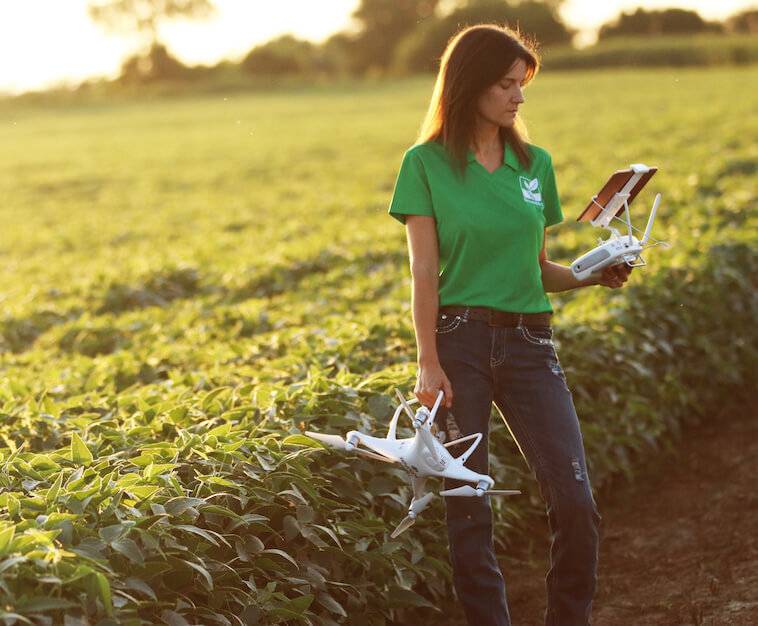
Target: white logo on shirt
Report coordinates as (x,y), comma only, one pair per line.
(530,189)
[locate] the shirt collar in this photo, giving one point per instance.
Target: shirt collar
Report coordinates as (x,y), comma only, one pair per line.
(509,157)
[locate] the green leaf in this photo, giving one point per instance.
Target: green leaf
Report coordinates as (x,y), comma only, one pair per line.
(129,549)
(329,532)
(206,575)
(220,510)
(53,492)
(140,585)
(300,440)
(114,531)
(282,554)
(6,537)
(399,597)
(14,506)
(211,395)
(301,604)
(154,469)
(241,550)
(103,588)
(172,618)
(80,453)
(328,602)
(254,544)
(143,492)
(251,615)
(312,536)
(44,462)
(14,616)
(291,527)
(206,534)
(177,506)
(8,563)
(220,431)
(217,480)
(380,407)
(143,460)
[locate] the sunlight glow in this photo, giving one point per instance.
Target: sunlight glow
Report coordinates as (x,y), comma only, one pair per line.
(49,42)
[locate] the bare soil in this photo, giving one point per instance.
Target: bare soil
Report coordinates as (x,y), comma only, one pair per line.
(678,547)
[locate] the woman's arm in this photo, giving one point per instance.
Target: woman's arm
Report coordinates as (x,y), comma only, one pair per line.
(423,251)
(556,277)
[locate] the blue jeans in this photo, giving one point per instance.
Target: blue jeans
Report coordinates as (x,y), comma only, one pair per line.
(518,369)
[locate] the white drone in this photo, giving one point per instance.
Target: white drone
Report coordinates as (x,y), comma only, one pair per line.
(615,197)
(422,456)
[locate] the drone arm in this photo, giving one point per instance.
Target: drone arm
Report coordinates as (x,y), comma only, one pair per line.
(459,440)
(440,393)
(472,447)
(418,483)
(391,434)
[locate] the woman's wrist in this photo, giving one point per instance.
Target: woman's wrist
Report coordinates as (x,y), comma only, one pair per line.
(591,281)
(556,277)
(427,359)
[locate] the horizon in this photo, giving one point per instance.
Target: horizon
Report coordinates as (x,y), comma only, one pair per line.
(229,35)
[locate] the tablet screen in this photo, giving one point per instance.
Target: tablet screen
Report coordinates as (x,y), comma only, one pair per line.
(626,181)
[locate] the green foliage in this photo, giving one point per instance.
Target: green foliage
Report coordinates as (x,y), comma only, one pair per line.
(679,51)
(191,283)
(283,55)
(656,23)
(421,50)
(382,25)
(409,36)
(143,16)
(156,64)
(742,22)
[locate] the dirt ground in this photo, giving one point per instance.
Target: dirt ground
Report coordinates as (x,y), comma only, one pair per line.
(679,547)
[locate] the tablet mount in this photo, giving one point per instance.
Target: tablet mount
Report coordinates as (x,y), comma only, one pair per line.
(612,200)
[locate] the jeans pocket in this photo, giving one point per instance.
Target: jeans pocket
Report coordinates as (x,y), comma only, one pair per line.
(538,335)
(447,324)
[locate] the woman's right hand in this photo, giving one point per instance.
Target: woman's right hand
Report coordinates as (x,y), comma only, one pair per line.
(431,378)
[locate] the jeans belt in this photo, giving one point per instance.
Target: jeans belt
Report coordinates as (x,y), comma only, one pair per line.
(493,317)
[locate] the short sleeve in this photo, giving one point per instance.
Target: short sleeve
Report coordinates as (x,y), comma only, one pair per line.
(552,210)
(411,195)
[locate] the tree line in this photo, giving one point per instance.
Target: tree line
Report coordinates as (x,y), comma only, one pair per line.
(391,36)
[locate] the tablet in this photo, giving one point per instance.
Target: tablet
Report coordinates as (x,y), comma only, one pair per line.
(607,204)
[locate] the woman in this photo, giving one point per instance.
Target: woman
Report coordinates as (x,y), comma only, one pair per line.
(476,200)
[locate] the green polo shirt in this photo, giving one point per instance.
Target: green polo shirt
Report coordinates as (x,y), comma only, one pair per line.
(490,226)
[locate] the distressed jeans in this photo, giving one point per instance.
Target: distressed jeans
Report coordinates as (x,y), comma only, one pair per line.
(517,368)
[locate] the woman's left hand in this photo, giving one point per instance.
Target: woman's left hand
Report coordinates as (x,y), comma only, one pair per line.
(614,276)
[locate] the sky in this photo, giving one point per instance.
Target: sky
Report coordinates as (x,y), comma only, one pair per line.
(53,42)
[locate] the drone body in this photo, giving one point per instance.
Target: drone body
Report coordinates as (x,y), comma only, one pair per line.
(422,456)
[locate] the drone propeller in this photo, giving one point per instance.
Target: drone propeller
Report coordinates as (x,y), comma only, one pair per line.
(468,490)
(409,520)
(406,407)
(335,441)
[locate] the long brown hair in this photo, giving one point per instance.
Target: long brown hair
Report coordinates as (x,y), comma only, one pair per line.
(474,59)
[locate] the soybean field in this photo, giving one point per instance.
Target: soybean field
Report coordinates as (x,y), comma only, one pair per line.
(189,282)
